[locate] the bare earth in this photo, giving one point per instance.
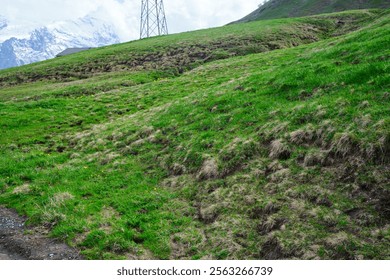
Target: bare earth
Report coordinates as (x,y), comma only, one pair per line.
(21,242)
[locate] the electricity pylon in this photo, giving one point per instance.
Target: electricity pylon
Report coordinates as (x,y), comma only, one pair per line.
(153,21)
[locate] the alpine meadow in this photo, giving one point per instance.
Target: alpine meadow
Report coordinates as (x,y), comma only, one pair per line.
(261,140)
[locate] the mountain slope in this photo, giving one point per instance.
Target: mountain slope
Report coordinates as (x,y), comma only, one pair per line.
(3,22)
(46,42)
(178,53)
(292,145)
(297,8)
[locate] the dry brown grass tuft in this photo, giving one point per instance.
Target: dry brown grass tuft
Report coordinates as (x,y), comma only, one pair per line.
(108,213)
(305,135)
(51,212)
(23,189)
(344,144)
(146,131)
(236,154)
(93,157)
(279,150)
(268,131)
(364,104)
(298,136)
(325,129)
(273,167)
(108,216)
(271,208)
(75,155)
(178,169)
(60,198)
(314,158)
(171,182)
(363,121)
(209,170)
(384,147)
(280,175)
(270,224)
(336,242)
(108,158)
(209,214)
(182,243)
(100,142)
(140,254)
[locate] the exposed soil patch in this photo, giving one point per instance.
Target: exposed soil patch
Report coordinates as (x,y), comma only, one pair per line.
(21,242)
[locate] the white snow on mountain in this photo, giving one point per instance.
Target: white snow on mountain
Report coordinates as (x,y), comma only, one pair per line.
(28,45)
(3,22)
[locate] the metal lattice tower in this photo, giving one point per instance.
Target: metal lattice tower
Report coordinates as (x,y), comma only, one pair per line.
(153,21)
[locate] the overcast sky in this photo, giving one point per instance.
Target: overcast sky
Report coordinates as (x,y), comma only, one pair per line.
(182,15)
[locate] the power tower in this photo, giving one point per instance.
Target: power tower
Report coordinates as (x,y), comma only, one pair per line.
(153,21)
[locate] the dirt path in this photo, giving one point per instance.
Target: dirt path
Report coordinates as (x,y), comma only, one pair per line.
(19,242)
(7,255)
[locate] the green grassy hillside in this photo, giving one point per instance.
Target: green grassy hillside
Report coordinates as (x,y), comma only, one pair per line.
(267,140)
(273,9)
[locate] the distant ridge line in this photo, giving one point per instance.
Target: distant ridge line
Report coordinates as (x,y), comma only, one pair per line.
(274,9)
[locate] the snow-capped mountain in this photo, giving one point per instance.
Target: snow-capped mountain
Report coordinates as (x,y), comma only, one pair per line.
(42,43)
(3,22)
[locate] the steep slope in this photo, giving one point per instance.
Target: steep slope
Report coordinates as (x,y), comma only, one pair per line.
(46,42)
(297,8)
(177,53)
(292,145)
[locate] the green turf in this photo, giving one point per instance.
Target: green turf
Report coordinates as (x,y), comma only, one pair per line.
(262,140)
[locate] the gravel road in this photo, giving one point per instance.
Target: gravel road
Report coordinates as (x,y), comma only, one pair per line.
(21,242)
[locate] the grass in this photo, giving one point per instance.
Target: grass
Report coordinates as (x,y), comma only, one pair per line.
(172,158)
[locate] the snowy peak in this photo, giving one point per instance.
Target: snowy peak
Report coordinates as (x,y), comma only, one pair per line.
(3,22)
(85,32)
(40,39)
(46,42)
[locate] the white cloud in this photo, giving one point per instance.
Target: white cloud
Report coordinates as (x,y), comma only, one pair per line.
(182,15)
(198,14)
